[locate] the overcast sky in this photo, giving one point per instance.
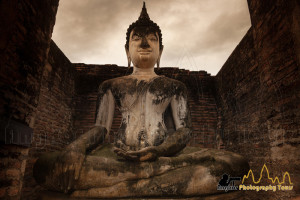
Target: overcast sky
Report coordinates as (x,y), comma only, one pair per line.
(197,34)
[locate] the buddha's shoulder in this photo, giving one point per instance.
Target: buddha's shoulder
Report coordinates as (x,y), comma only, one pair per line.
(129,81)
(116,82)
(170,80)
(165,81)
(167,86)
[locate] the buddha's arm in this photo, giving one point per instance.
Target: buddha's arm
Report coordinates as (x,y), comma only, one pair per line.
(104,117)
(181,117)
(69,163)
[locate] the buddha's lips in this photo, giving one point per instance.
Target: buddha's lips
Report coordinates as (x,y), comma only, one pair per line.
(144,52)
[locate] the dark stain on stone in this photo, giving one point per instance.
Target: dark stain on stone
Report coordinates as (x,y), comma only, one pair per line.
(142,137)
(160,135)
(168,119)
(120,136)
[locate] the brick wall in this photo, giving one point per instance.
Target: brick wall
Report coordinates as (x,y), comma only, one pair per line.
(259,88)
(26,28)
(201,99)
(13,162)
(54,116)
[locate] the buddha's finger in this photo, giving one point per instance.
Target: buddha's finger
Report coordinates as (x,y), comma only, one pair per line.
(65,168)
(55,174)
(139,153)
(66,180)
(146,157)
(77,167)
(61,177)
(131,157)
(67,177)
(71,178)
(76,172)
(133,152)
(116,150)
(128,157)
(120,151)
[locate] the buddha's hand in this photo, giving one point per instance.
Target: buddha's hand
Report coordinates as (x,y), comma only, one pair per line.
(145,154)
(68,165)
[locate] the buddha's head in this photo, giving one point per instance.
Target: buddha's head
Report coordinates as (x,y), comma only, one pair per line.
(144,42)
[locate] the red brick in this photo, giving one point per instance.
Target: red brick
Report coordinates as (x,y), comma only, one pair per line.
(15,182)
(13,173)
(13,191)
(17,164)
(24,151)
(3,192)
(2,174)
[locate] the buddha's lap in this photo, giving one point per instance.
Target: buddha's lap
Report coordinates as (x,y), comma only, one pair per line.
(104,159)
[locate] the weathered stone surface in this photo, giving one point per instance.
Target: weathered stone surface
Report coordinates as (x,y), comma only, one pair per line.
(192,172)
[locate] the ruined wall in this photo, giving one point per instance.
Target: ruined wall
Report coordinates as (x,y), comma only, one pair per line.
(13,159)
(26,28)
(259,88)
(54,115)
(201,99)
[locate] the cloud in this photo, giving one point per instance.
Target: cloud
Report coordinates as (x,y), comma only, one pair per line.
(224,30)
(93,31)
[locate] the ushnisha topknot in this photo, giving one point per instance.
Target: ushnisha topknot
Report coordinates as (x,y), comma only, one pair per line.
(144,25)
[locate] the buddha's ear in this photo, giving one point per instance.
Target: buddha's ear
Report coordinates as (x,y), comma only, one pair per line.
(158,59)
(128,56)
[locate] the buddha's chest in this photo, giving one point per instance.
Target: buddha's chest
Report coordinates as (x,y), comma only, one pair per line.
(143,102)
(143,97)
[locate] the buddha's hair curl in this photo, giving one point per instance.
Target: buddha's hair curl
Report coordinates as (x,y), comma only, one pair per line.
(146,24)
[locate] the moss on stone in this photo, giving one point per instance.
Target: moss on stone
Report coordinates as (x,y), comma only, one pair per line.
(106,151)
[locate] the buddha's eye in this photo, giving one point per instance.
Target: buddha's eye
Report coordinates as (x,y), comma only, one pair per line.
(136,37)
(152,37)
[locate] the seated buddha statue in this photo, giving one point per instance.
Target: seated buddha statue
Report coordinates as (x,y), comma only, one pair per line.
(149,156)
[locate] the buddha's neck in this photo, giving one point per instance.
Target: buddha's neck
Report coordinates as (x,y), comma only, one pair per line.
(144,74)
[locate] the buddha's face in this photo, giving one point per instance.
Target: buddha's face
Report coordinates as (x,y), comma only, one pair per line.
(143,49)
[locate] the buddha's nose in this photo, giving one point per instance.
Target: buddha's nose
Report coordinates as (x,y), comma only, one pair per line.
(144,43)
